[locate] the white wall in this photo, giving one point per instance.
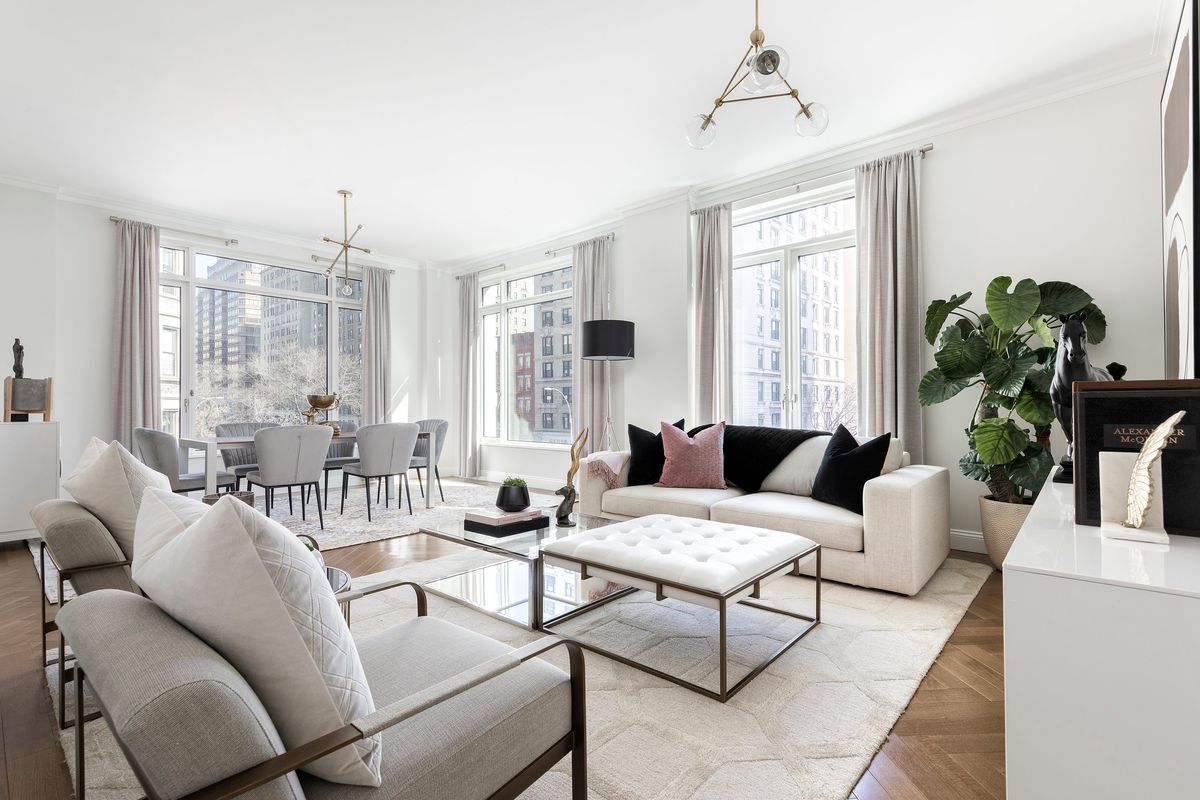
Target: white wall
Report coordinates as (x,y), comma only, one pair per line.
(1066,191)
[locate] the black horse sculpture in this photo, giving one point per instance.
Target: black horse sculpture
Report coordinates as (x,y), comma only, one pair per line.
(1072,364)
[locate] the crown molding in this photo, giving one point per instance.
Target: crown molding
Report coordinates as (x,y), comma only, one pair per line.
(530,252)
(31,186)
(658,201)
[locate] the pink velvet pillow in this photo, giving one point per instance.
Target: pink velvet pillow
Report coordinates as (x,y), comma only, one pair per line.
(694,463)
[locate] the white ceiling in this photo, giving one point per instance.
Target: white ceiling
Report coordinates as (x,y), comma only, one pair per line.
(465,127)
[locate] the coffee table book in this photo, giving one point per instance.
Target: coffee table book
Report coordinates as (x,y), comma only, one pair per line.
(508,529)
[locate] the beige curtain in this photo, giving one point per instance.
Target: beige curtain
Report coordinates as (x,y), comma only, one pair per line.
(592,295)
(135,349)
(890,315)
(468,370)
(376,345)
(712,309)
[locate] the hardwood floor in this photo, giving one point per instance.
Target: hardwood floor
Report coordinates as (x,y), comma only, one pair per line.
(949,743)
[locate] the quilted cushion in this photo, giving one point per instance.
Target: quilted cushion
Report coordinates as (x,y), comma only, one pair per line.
(109,482)
(247,586)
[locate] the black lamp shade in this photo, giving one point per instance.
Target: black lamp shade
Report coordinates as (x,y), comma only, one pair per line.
(607,340)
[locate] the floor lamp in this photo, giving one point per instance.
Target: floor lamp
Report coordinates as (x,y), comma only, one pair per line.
(607,340)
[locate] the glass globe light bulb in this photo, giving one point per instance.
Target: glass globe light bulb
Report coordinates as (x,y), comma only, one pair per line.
(347,290)
(768,67)
(814,123)
(701,130)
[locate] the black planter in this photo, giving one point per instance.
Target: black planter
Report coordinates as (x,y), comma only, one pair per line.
(512,498)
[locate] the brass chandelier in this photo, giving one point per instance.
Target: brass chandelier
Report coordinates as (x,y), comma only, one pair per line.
(347,237)
(764,76)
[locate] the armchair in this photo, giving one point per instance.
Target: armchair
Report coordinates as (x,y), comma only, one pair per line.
(461,715)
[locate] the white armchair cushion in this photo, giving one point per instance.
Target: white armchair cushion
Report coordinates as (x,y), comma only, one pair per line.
(247,586)
(109,483)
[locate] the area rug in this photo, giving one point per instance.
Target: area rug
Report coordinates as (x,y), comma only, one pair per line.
(352,527)
(807,727)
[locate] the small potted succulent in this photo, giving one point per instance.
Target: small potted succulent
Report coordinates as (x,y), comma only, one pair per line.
(513,495)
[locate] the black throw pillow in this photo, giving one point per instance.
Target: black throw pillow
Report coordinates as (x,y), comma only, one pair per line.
(646,457)
(752,451)
(846,468)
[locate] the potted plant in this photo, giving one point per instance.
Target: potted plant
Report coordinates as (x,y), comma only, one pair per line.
(513,495)
(1008,355)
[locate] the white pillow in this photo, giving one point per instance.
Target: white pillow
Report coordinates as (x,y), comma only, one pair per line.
(91,451)
(894,459)
(247,586)
(796,473)
(109,483)
(162,517)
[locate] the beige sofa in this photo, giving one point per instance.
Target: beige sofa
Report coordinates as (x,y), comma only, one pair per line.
(896,544)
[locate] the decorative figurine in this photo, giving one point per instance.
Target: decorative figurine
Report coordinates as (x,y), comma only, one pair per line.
(18,359)
(1142,520)
(322,402)
(1072,364)
(567,493)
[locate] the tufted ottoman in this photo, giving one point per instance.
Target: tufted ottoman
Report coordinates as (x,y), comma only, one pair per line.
(712,564)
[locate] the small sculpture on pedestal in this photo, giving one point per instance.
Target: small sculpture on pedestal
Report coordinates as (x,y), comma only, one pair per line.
(1072,364)
(567,493)
(18,359)
(1136,479)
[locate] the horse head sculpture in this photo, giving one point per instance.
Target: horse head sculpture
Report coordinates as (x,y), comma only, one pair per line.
(1072,364)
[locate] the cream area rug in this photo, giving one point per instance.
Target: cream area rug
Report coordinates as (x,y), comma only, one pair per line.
(807,727)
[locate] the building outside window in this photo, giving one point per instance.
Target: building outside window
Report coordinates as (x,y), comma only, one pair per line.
(547,318)
(548,420)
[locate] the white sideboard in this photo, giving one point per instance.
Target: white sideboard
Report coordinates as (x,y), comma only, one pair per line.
(1101,661)
(29,468)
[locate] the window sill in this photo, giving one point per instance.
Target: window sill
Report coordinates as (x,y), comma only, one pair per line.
(565,448)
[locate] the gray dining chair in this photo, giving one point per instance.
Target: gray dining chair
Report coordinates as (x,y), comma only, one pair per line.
(383,451)
(437,429)
(241,460)
(160,452)
(291,456)
(340,454)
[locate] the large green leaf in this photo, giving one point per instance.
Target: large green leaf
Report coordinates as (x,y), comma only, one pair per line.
(1034,406)
(999,441)
(1045,354)
(998,401)
(939,311)
(1044,334)
(1039,379)
(1097,324)
(1060,297)
(1005,374)
(973,467)
(936,388)
(1011,311)
(1030,469)
(959,357)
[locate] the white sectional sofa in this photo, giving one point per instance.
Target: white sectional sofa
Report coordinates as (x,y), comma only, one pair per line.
(899,541)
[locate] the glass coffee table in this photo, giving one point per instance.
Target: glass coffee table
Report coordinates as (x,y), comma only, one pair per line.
(519,589)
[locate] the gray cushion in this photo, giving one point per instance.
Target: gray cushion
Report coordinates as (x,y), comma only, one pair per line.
(75,538)
(467,747)
(183,712)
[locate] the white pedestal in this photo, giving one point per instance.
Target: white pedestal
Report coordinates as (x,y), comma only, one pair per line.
(29,465)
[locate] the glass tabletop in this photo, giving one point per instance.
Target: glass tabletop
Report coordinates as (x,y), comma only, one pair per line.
(525,546)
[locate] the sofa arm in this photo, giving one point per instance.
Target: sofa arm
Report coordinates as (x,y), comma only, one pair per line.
(592,487)
(906,527)
(76,540)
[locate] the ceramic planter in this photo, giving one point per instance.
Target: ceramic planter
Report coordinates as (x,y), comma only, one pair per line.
(512,498)
(1001,523)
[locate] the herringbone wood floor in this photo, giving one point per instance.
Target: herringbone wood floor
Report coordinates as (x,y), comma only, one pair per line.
(948,744)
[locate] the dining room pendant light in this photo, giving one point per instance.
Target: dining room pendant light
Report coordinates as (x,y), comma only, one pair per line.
(762,74)
(345,243)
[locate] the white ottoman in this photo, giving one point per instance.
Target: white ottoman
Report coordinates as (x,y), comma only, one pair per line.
(712,564)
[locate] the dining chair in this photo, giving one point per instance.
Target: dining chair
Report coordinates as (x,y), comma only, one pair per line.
(437,429)
(241,460)
(340,454)
(383,451)
(291,456)
(159,451)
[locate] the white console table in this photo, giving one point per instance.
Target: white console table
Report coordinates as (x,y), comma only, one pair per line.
(29,466)
(1101,661)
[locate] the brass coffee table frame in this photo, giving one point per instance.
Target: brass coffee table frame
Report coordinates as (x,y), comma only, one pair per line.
(723,603)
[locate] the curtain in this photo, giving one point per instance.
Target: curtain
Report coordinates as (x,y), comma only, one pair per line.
(890,315)
(592,277)
(376,345)
(469,384)
(712,309)
(136,353)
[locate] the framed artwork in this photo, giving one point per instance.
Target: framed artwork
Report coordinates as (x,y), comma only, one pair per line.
(1117,416)
(1181,289)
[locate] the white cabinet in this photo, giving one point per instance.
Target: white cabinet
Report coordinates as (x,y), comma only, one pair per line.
(29,467)
(1101,661)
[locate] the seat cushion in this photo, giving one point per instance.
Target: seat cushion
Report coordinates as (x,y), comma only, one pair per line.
(639,501)
(246,586)
(109,482)
(469,746)
(827,525)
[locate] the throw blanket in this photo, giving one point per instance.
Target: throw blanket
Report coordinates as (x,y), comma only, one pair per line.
(606,465)
(752,451)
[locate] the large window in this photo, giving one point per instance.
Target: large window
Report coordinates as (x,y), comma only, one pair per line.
(244,341)
(798,253)
(526,375)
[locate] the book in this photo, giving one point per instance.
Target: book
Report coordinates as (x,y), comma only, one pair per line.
(495,516)
(520,526)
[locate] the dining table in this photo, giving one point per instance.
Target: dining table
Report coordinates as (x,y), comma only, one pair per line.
(212,445)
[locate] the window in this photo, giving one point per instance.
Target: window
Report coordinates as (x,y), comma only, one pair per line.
(759,327)
(760,391)
(760,358)
(525,396)
(774,360)
(244,340)
(566,422)
(774,298)
(775,329)
(774,391)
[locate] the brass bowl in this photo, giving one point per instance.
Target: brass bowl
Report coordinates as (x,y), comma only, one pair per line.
(322,402)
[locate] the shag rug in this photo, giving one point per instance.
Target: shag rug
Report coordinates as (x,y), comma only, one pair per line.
(807,727)
(352,527)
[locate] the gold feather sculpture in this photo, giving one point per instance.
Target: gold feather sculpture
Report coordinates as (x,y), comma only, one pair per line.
(1141,488)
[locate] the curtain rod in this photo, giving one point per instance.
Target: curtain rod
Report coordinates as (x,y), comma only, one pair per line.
(557,250)
(923,149)
(497,268)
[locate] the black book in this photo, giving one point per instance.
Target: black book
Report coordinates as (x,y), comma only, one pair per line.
(509,529)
